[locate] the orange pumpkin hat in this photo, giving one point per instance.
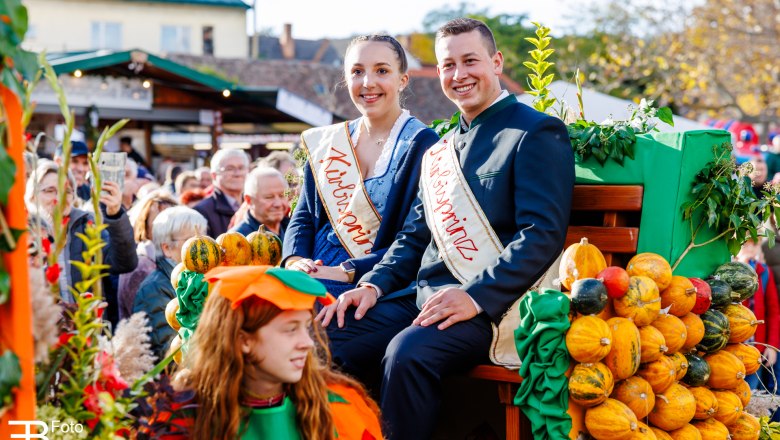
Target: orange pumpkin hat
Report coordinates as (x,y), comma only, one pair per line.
(286,289)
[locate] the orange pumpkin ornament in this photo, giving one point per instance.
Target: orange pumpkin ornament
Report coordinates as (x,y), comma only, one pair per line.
(742,322)
(680,364)
(641,303)
(711,429)
(643,432)
(687,432)
(652,343)
(673,330)
(660,434)
(747,427)
(748,354)
(694,328)
(726,370)
(580,260)
(236,250)
(612,420)
(637,394)
(625,355)
(588,339)
(679,296)
(653,266)
(674,408)
(590,384)
(706,403)
(743,392)
(729,407)
(659,374)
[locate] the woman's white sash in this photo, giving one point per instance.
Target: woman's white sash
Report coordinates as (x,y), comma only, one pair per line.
(340,185)
(465,239)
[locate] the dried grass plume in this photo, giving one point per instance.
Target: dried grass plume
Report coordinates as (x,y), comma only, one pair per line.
(131,347)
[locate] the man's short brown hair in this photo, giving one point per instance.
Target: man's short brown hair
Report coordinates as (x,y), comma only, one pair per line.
(462,25)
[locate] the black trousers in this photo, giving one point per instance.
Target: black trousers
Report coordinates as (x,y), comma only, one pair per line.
(411,360)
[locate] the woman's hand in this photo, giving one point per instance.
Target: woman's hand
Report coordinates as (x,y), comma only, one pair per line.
(330,273)
(770,356)
(111,197)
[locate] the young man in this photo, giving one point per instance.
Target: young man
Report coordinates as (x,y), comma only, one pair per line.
(490,218)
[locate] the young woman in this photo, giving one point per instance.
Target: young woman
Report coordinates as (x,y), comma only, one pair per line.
(255,370)
(362,175)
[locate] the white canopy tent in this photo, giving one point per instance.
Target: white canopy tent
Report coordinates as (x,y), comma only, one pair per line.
(600,106)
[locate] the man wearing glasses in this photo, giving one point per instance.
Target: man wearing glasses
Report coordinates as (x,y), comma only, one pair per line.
(228,170)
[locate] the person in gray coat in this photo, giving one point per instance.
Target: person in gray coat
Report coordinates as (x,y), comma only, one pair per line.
(170,230)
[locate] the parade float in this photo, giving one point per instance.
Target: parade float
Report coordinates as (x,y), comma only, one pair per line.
(650,341)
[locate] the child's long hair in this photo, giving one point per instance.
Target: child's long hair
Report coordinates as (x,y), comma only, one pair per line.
(215,368)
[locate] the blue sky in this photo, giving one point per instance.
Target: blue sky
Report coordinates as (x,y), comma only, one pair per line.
(312,19)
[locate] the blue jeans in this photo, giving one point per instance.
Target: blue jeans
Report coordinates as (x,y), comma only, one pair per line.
(763,380)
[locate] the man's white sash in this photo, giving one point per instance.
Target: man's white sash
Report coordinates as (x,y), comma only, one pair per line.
(340,185)
(465,239)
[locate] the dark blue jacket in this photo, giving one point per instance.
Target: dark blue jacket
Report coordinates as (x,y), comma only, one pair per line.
(153,296)
(309,215)
(519,164)
(217,211)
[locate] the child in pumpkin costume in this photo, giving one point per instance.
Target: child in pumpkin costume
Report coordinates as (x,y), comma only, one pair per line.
(257,373)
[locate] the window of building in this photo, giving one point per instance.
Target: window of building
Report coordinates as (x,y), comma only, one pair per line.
(175,39)
(208,40)
(106,35)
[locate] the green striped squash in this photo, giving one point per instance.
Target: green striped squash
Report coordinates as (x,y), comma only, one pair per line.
(266,247)
(201,253)
(716,331)
(590,384)
(740,276)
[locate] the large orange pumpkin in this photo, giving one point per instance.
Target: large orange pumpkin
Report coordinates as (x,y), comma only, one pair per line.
(659,374)
(706,403)
(687,432)
(590,384)
(729,407)
(711,429)
(580,260)
(641,303)
(726,370)
(643,432)
(625,355)
(588,339)
(660,434)
(612,420)
(236,249)
(651,265)
(637,394)
(694,327)
(673,330)
(680,364)
(747,427)
(743,392)
(652,343)
(680,296)
(673,408)
(742,322)
(748,354)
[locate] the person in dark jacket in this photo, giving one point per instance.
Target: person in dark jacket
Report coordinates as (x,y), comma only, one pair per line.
(265,195)
(229,169)
(170,230)
(360,180)
(42,196)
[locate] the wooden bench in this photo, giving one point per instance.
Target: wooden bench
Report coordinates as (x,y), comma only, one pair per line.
(608,215)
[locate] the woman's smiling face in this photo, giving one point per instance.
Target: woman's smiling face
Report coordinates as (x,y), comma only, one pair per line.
(374,78)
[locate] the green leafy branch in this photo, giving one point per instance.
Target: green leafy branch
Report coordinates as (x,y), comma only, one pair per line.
(724,201)
(538,82)
(614,139)
(442,126)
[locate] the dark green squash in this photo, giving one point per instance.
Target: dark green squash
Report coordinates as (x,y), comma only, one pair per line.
(716,331)
(740,276)
(698,371)
(721,293)
(588,296)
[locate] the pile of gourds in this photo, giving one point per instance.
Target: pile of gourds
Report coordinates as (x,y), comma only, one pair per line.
(660,356)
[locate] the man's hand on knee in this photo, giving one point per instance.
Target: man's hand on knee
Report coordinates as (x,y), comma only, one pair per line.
(450,304)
